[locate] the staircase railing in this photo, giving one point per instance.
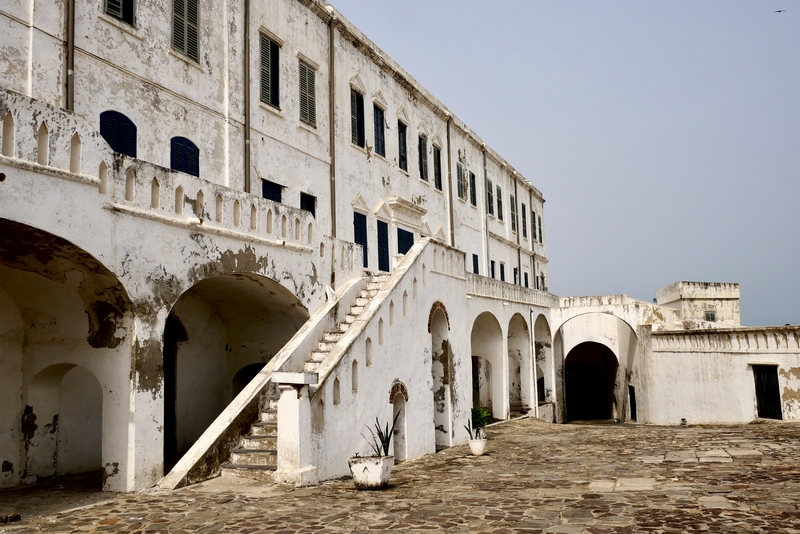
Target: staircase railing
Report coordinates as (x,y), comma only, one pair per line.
(213,448)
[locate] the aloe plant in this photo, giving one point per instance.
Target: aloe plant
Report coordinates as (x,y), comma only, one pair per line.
(477,427)
(381,438)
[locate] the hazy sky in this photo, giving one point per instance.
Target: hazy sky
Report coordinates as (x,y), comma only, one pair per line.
(665,136)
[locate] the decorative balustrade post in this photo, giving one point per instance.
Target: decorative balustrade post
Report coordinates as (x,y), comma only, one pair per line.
(295,456)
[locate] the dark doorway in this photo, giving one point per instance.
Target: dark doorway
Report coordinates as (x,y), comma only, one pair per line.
(768,395)
(590,373)
(174,333)
(244,376)
(632,399)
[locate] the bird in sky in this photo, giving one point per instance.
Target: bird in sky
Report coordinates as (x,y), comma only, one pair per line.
(780,11)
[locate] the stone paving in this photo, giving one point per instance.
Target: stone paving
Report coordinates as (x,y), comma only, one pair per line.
(534,478)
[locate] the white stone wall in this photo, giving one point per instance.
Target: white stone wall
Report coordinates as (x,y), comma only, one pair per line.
(707,377)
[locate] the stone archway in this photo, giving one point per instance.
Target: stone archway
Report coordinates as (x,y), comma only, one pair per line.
(590,372)
(441,372)
(488,364)
(520,379)
(65,354)
(218,329)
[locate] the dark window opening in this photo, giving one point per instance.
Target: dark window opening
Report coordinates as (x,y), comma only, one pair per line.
(122,10)
(184,156)
(380,127)
(383,246)
(473,190)
(357,135)
(437,168)
(402,149)
(526,279)
(475,264)
(119,132)
(711,316)
(308,203)
(360,233)
(185,20)
(491,268)
(405,240)
(422,149)
(270,68)
(271,190)
(516,276)
(502,272)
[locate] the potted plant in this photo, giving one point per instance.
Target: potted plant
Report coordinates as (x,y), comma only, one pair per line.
(372,472)
(477,430)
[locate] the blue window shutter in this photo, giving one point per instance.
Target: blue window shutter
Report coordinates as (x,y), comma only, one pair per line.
(119,132)
(475,264)
(383,246)
(360,233)
(405,240)
(184,156)
(271,190)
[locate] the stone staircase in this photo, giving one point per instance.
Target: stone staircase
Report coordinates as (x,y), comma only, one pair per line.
(257,454)
(330,339)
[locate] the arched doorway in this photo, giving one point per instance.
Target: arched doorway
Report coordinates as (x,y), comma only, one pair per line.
(441,368)
(67,403)
(399,418)
(64,361)
(487,364)
(590,373)
(219,334)
(520,385)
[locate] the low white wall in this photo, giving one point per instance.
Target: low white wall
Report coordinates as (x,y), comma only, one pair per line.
(708,378)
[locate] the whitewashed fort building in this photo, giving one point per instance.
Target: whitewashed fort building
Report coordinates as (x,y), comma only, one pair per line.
(232,233)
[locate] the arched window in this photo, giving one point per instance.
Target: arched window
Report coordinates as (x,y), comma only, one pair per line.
(184,156)
(119,132)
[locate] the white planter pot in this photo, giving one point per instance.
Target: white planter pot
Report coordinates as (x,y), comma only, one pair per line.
(371,472)
(477,446)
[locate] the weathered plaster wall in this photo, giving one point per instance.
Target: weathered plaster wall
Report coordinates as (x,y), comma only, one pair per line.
(707,377)
(11,343)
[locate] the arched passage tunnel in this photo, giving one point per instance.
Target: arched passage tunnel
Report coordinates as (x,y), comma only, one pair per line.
(218,336)
(590,373)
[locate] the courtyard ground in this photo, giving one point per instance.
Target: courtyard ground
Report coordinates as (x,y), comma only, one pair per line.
(535,477)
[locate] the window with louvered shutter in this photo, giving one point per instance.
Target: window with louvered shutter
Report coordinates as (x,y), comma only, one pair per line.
(540,230)
(422,150)
(405,240)
(533,225)
(184,156)
(462,193)
(473,190)
(489,197)
(402,148)
(524,212)
(119,132)
(475,264)
(513,213)
(270,68)
(437,167)
(380,144)
(121,9)
(271,190)
(360,233)
(308,105)
(185,22)
(499,203)
(357,118)
(383,246)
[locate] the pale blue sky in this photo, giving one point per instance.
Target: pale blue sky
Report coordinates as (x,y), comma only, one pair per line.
(665,136)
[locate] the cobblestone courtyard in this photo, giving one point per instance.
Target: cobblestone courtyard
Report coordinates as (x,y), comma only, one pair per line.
(534,478)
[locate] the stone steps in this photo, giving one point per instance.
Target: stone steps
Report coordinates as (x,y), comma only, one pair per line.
(256,456)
